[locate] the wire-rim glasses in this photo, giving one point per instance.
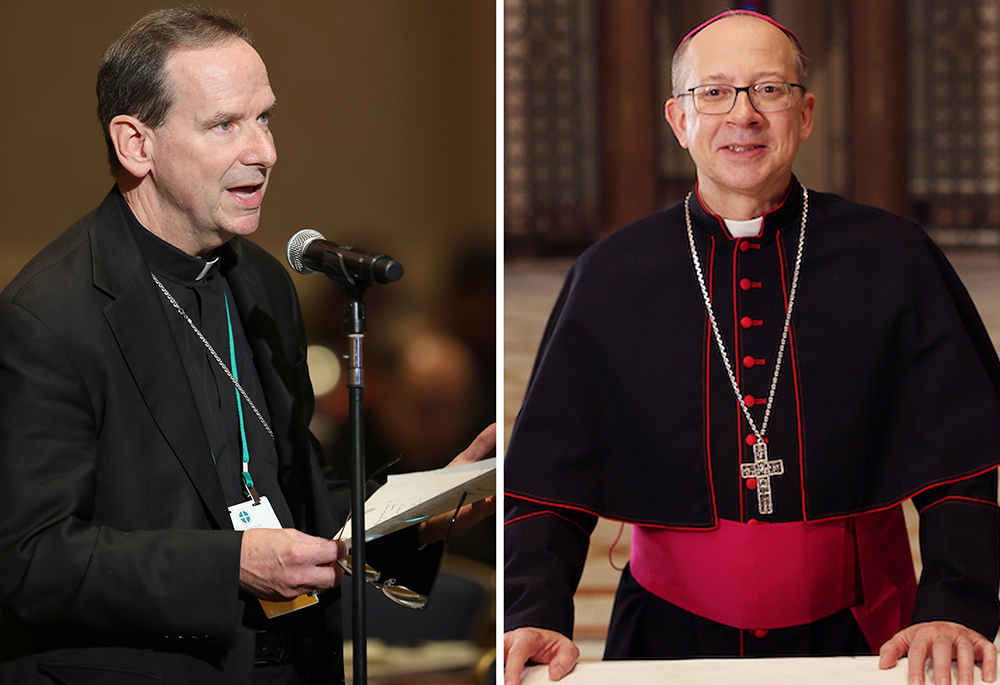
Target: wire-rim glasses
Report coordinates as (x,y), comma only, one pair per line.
(399,594)
(720,98)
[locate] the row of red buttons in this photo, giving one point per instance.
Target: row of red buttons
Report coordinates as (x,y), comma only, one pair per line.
(749,362)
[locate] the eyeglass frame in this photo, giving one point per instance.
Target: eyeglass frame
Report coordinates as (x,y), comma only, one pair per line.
(373,577)
(743,89)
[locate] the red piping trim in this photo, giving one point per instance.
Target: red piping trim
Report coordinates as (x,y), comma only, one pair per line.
(536,514)
(709,464)
(715,520)
(619,519)
(781,204)
(905,497)
(722,223)
(961,498)
(739,380)
(782,261)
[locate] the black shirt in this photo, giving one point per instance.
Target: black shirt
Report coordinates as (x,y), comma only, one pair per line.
(200,288)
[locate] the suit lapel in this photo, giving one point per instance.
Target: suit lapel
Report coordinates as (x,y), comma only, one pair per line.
(137,319)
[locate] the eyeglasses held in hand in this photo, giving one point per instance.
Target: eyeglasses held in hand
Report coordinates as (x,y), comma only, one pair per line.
(400,594)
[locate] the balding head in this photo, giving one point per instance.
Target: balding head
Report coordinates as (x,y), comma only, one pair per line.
(680,68)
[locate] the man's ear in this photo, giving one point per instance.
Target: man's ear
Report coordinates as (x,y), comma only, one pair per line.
(676,116)
(133,144)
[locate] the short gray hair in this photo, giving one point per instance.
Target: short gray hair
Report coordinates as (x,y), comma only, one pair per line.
(132,77)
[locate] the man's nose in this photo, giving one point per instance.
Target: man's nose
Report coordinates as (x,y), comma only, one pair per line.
(743,109)
(259,150)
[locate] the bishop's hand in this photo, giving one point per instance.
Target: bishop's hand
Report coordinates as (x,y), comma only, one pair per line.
(438,527)
(942,641)
(281,564)
(540,646)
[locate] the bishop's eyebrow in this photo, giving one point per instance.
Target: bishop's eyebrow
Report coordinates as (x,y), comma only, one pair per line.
(221,116)
(758,77)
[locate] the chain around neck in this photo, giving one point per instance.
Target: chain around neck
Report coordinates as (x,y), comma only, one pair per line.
(758,432)
(208,346)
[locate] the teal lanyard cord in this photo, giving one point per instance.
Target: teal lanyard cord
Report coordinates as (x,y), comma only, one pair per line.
(247,479)
(240,392)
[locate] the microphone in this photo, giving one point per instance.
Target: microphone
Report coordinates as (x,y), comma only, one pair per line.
(309,252)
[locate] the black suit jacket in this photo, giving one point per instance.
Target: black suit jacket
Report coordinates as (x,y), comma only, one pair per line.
(118,561)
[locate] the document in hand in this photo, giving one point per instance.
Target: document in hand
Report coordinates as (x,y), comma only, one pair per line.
(409,498)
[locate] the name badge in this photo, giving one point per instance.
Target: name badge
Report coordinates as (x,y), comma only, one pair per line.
(247,516)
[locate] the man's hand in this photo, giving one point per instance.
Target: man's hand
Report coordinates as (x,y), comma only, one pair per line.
(278,565)
(943,641)
(436,528)
(540,646)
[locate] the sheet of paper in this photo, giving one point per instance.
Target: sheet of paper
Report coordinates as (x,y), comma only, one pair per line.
(409,498)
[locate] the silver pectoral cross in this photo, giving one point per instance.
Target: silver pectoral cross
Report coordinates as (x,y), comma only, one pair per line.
(762,470)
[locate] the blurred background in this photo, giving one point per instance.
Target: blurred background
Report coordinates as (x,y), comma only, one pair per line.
(386,138)
(907,119)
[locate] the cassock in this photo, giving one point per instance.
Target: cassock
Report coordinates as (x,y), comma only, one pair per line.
(888,390)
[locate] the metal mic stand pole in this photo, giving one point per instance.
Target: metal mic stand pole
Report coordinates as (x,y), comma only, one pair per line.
(354,326)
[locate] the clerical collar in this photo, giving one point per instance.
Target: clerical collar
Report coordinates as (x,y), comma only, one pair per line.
(164,257)
(744,229)
(786,214)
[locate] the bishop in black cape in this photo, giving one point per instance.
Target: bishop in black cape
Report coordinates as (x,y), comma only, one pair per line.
(889,391)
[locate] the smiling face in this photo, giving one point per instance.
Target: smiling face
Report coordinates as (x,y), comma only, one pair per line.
(209,163)
(744,158)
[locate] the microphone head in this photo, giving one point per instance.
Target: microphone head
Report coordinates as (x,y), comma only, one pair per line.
(297,247)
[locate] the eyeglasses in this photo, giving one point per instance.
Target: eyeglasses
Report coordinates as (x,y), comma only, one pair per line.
(720,98)
(400,594)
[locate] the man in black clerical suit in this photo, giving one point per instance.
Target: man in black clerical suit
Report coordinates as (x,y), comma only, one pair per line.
(155,397)
(755,379)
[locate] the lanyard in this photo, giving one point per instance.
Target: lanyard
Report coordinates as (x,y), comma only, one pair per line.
(247,478)
(234,377)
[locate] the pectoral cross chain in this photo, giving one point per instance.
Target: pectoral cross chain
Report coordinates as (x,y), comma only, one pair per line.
(762,470)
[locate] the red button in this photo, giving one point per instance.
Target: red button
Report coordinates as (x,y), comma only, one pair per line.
(750,400)
(745,284)
(753,522)
(746,322)
(760,632)
(751,483)
(744,246)
(751,439)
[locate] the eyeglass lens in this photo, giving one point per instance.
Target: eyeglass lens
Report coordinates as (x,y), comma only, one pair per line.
(721,98)
(399,594)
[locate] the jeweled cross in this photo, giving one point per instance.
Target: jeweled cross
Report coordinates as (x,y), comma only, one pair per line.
(762,470)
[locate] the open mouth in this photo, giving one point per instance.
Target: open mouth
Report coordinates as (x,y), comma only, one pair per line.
(743,148)
(246,192)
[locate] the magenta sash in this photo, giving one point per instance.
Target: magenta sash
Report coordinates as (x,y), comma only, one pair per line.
(746,575)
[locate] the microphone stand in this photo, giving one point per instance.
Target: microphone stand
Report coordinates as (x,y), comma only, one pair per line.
(355,326)
(339,269)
